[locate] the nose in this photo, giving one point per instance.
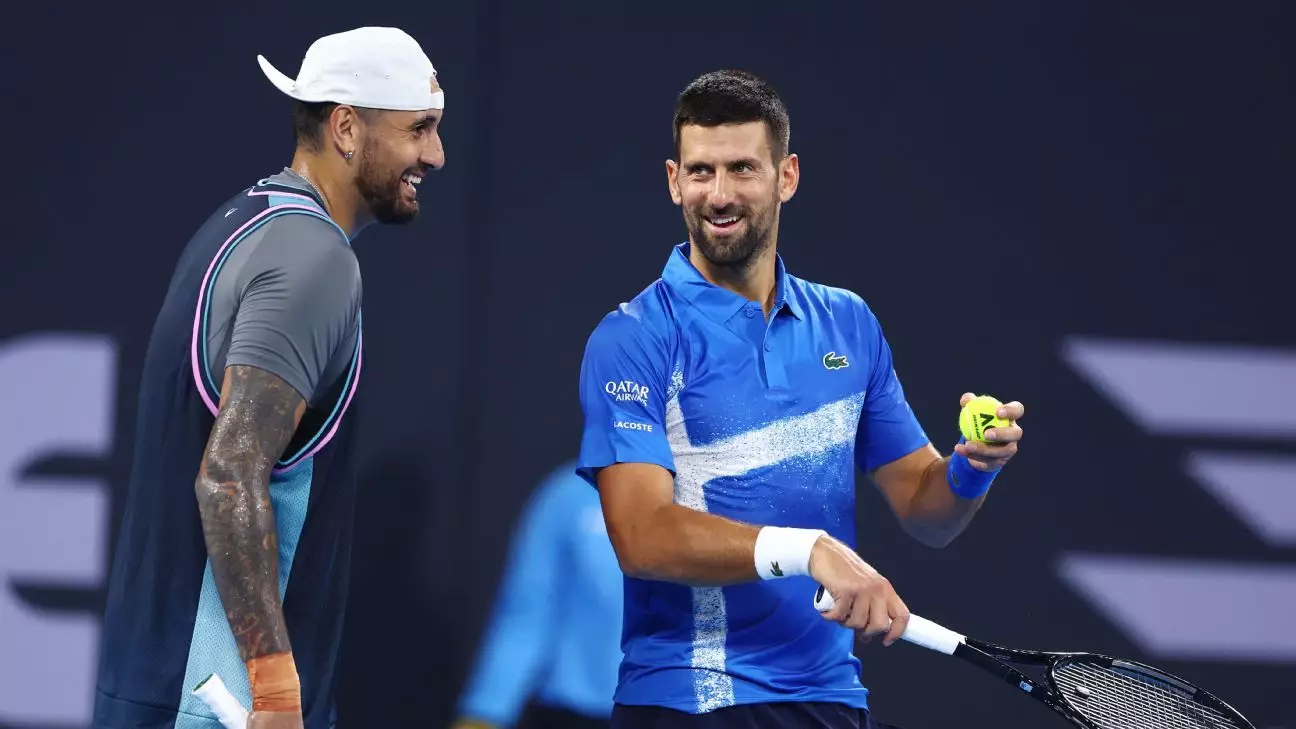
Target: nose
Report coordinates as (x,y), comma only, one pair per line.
(721,193)
(433,154)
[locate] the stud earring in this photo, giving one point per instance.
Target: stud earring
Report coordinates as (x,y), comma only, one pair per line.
(348,155)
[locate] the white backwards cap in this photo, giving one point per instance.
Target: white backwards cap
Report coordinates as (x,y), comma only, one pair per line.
(376,68)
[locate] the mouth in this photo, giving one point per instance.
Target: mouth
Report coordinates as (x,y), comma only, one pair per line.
(722,223)
(410,183)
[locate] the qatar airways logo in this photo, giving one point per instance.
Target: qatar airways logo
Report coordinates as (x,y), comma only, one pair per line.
(627,391)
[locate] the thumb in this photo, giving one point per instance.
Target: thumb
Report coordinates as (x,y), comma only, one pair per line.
(966,397)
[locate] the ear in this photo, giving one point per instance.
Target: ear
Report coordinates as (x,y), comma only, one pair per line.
(345,128)
(789,177)
(672,181)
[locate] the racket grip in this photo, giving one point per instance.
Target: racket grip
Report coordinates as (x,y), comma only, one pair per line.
(927,634)
(919,631)
(222,703)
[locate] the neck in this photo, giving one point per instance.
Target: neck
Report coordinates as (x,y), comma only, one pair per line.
(332,180)
(752,279)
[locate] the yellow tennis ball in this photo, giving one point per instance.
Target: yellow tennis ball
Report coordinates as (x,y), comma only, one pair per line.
(979,415)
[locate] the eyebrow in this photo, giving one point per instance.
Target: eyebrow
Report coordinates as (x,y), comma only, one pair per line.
(749,161)
(425,121)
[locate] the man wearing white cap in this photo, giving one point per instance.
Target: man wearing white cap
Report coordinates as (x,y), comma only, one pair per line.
(251,371)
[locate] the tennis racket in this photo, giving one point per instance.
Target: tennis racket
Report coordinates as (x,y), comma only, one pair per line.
(1091,691)
(222,703)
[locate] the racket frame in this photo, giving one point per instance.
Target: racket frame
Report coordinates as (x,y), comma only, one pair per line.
(996,659)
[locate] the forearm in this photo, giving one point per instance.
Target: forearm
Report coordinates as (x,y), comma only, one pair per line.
(677,544)
(259,413)
(242,546)
(936,515)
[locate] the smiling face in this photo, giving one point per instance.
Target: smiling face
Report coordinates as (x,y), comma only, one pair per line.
(397,150)
(730,187)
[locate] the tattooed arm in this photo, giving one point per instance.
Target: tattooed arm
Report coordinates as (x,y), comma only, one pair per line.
(258,414)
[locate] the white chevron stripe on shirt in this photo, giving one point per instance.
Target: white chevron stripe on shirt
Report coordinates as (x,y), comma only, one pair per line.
(801,436)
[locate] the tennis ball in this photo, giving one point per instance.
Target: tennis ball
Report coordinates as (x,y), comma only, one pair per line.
(979,415)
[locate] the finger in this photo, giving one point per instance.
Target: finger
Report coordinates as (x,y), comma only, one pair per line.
(988,452)
(964,399)
(1004,435)
(859,616)
(1012,410)
(841,610)
(899,621)
(879,617)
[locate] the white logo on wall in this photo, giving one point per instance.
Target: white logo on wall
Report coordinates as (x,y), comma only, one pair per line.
(57,397)
(627,391)
(1227,393)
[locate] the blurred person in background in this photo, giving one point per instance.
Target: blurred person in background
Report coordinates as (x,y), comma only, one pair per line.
(549,656)
(234,551)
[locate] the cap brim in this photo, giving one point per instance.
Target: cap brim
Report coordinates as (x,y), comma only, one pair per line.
(281,82)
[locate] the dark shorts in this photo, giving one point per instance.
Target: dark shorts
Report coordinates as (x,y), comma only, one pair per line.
(787,715)
(540,716)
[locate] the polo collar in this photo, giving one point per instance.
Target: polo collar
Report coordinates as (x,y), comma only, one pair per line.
(719,303)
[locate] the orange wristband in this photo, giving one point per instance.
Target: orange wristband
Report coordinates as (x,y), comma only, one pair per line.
(275,686)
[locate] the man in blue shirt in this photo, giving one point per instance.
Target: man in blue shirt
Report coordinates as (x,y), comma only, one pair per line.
(726,409)
(549,656)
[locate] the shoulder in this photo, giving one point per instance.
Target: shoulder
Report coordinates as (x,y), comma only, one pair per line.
(841,304)
(309,248)
(644,322)
(562,488)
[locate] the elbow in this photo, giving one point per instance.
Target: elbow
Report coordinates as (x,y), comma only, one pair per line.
(636,554)
(633,560)
(930,536)
(219,497)
(938,541)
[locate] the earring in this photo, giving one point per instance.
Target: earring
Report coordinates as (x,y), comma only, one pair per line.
(348,155)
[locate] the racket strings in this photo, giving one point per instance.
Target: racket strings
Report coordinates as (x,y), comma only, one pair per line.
(1118,698)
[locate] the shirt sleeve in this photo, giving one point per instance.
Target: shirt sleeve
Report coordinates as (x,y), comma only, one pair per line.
(519,637)
(298,300)
(888,428)
(623,380)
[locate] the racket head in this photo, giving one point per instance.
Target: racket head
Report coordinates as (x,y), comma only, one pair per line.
(1115,693)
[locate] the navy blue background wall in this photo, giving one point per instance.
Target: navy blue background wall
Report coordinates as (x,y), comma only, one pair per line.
(1082,206)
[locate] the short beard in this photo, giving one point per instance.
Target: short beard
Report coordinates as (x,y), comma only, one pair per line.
(382,193)
(740,254)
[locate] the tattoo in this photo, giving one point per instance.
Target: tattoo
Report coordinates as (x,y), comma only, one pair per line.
(258,415)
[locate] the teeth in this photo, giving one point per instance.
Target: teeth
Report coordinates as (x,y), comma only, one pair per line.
(725,221)
(412,179)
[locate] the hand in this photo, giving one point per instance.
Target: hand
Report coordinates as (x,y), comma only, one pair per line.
(1001,443)
(864,599)
(275,720)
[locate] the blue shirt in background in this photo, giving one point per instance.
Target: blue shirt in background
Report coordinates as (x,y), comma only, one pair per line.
(763,422)
(555,630)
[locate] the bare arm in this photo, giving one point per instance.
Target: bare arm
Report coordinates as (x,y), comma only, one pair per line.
(915,487)
(258,414)
(657,539)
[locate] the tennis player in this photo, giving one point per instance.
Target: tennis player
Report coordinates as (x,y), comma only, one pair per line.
(726,409)
(235,547)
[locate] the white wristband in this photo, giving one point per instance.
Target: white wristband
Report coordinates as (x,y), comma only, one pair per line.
(784,551)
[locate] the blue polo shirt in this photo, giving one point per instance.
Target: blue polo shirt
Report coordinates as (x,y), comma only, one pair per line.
(760,421)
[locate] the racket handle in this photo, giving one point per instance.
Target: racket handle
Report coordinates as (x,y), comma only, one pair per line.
(919,631)
(222,703)
(927,634)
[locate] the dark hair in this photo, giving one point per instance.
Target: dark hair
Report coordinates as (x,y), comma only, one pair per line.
(309,118)
(734,97)
(308,122)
